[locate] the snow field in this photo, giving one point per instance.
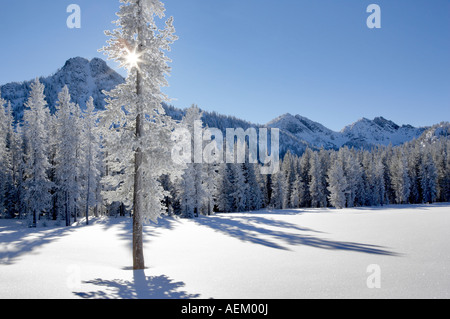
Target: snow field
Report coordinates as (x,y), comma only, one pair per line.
(313,253)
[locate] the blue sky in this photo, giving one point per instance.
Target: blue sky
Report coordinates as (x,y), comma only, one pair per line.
(258,59)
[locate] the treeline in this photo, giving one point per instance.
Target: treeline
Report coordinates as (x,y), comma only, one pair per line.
(416,172)
(54,166)
(51,164)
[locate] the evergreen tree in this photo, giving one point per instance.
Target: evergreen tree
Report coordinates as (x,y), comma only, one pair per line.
(66,169)
(305,167)
(224,200)
(195,193)
(5,165)
(287,180)
(400,179)
(353,175)
(37,185)
(139,143)
(337,184)
(239,188)
(253,194)
(14,165)
(278,188)
(428,176)
(93,159)
(316,187)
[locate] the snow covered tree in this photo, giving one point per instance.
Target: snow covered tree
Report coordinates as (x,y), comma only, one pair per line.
(353,175)
(305,167)
(278,188)
(224,199)
(66,169)
(376,188)
(414,162)
(37,184)
(400,180)
(239,188)
(428,177)
(137,131)
(317,188)
(210,173)
(337,184)
(5,164)
(441,155)
(287,170)
(13,162)
(254,194)
(194,192)
(92,160)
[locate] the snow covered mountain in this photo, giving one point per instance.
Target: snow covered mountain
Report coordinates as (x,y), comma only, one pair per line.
(89,78)
(83,77)
(364,133)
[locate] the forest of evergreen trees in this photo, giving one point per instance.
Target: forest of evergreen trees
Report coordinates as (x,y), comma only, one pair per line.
(416,172)
(55,167)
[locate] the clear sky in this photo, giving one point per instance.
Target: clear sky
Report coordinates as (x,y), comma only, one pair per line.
(258,59)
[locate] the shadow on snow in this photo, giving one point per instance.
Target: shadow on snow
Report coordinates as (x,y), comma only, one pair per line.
(20,241)
(274,233)
(141,287)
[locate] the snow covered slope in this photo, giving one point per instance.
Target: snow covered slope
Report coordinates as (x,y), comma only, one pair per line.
(83,77)
(364,133)
(291,254)
(313,133)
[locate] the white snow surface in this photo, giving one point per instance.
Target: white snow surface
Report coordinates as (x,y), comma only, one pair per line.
(291,254)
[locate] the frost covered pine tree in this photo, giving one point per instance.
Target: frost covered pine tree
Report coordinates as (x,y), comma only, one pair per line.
(37,184)
(14,164)
(193,190)
(240,188)
(66,168)
(287,180)
(224,199)
(92,152)
(400,179)
(316,186)
(137,131)
(353,175)
(337,183)
(428,177)
(5,164)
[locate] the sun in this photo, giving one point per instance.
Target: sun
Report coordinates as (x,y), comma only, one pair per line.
(132,59)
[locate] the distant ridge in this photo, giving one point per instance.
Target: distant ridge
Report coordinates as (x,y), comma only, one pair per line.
(87,78)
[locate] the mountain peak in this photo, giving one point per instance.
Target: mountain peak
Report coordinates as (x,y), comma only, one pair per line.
(85,78)
(381,121)
(76,61)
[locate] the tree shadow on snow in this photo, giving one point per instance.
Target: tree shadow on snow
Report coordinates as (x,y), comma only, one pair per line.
(149,230)
(272,233)
(141,287)
(20,241)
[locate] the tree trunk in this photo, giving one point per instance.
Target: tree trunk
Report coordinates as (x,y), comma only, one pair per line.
(88,192)
(87,206)
(67,211)
(138,251)
(34,219)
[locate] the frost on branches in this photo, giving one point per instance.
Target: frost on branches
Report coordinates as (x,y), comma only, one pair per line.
(136,130)
(37,183)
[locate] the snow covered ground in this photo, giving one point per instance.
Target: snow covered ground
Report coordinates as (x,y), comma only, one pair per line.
(313,253)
